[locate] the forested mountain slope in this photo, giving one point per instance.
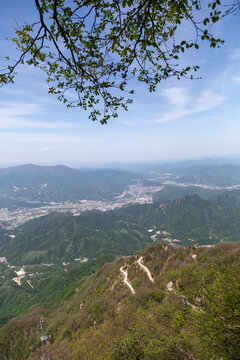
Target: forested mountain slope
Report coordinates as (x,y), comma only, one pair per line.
(192,217)
(63,237)
(189,310)
(41,284)
(56,250)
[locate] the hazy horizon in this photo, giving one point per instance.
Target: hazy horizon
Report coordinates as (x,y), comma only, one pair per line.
(233,160)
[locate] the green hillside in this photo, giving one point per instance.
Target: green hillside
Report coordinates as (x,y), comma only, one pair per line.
(48,285)
(190,310)
(173,192)
(45,245)
(63,237)
(192,217)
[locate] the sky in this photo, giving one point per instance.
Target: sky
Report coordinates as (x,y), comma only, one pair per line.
(183,119)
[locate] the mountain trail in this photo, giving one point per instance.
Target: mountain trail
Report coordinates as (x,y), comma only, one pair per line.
(145,269)
(125,279)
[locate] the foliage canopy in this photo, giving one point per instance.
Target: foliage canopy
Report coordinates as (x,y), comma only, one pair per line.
(90,50)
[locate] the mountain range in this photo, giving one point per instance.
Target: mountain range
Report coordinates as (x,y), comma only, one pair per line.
(61,183)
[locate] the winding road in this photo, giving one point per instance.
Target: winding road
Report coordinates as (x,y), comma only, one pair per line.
(145,269)
(126,281)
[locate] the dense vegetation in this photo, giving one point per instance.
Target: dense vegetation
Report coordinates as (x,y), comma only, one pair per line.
(173,192)
(192,217)
(49,285)
(44,244)
(191,311)
(64,237)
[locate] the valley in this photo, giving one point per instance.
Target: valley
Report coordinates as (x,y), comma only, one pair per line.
(134,194)
(25,199)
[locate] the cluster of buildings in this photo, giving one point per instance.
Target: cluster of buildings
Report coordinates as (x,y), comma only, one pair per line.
(136,193)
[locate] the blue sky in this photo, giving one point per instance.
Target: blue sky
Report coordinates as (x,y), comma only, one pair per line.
(181,120)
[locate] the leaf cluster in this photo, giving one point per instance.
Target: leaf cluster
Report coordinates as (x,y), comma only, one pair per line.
(90,50)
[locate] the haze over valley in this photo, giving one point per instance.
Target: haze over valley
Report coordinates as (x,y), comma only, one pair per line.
(30,191)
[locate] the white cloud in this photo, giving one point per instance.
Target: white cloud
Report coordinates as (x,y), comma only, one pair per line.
(30,94)
(235,55)
(14,116)
(207,100)
(12,109)
(176,96)
(216,89)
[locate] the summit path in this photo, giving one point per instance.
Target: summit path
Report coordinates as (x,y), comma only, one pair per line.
(145,269)
(126,280)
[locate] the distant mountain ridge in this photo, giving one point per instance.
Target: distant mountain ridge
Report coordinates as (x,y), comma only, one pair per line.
(32,167)
(221,175)
(61,183)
